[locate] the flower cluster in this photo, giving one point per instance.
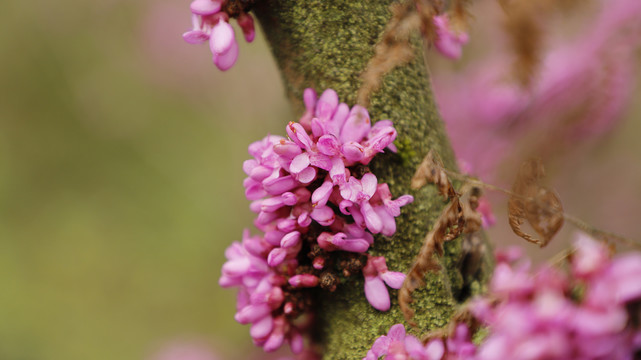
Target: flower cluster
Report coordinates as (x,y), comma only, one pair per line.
(590,313)
(211,23)
(398,345)
(581,91)
(317,205)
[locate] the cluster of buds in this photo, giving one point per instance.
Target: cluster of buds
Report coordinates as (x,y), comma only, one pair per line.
(211,23)
(318,207)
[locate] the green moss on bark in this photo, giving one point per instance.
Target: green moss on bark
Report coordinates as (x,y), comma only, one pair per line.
(327,44)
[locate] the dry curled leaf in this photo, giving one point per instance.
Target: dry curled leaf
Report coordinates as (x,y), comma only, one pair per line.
(394,49)
(431,170)
(460,16)
(448,226)
(531,201)
(459,217)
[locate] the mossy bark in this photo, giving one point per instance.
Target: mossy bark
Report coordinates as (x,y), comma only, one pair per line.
(327,44)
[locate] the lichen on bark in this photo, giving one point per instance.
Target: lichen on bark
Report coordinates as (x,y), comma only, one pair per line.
(327,44)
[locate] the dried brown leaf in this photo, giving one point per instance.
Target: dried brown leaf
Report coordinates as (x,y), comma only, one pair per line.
(460,16)
(393,49)
(431,170)
(448,226)
(457,218)
(533,202)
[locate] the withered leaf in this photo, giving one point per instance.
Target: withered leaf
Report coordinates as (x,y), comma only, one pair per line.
(531,201)
(431,170)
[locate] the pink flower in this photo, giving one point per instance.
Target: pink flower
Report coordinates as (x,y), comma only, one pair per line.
(540,317)
(397,345)
(210,23)
(302,181)
(376,276)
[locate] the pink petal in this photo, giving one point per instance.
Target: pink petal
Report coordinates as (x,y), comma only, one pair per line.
(286,225)
(276,257)
(325,241)
(372,220)
(303,280)
(307,175)
(274,341)
(296,342)
(252,313)
(338,120)
(255,192)
(309,98)
(435,349)
(321,161)
(322,194)
(271,204)
(369,183)
(324,215)
(351,245)
(376,293)
(356,126)
(260,173)
(222,38)
(225,61)
(290,240)
(337,172)
(350,189)
(273,237)
(205,7)
(304,219)
(328,145)
(327,104)
(280,185)
(318,127)
(393,279)
(299,163)
(246,23)
(262,328)
(287,149)
(396,332)
(380,137)
(625,275)
(388,221)
(353,151)
(289,198)
(381,346)
(236,267)
(195,36)
(297,134)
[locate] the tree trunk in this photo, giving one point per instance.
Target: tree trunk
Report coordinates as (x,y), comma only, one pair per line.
(327,44)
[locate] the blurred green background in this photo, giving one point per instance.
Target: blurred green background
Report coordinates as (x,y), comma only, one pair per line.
(120,179)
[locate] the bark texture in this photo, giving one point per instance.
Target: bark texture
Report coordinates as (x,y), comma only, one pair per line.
(327,44)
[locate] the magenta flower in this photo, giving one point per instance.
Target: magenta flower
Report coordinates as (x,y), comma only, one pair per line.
(211,24)
(397,345)
(376,277)
(539,317)
(580,93)
(303,185)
